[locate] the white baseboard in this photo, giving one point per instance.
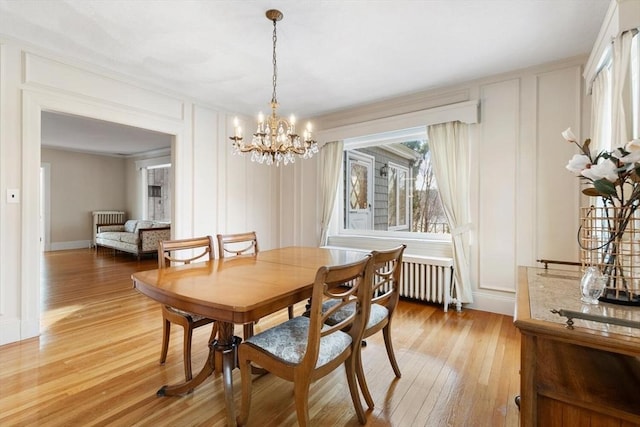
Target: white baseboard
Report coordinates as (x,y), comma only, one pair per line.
(501,304)
(10,331)
(63,246)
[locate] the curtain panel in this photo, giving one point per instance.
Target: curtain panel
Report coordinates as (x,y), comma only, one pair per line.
(449,145)
(601,112)
(330,166)
(621,106)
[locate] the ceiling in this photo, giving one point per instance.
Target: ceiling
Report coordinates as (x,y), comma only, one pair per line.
(331,55)
(68,132)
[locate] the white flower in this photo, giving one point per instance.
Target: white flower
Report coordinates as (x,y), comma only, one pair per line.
(569,136)
(578,163)
(605,169)
(632,157)
(633,147)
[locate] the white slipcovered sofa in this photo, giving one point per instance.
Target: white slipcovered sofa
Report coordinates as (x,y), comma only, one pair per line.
(134,236)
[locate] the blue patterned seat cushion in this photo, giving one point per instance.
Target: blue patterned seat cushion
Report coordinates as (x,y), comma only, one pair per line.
(377,315)
(288,341)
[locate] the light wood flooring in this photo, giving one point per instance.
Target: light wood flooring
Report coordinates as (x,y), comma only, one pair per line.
(96,363)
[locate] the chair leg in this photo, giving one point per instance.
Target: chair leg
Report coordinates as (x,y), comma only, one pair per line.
(386,332)
(301,394)
(290,309)
(186,352)
(350,368)
(362,380)
(245,374)
(166,330)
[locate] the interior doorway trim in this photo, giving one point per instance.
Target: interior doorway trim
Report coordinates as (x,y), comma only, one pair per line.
(45,208)
(33,104)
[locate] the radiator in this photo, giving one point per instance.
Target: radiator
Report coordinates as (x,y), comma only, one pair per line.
(102,218)
(424,278)
(428,279)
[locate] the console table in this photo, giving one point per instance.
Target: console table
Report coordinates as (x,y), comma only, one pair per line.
(585,373)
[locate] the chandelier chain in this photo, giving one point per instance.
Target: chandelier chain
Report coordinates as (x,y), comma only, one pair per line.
(274,98)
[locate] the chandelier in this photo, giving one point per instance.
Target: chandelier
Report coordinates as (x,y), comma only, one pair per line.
(275,139)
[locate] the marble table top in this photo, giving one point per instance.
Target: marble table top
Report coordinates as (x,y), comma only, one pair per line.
(560,289)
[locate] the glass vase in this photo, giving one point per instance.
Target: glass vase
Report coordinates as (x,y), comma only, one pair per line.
(592,285)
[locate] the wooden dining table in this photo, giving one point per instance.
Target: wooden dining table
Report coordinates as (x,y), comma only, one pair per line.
(237,290)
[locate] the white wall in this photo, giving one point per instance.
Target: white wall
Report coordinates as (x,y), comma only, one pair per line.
(80,184)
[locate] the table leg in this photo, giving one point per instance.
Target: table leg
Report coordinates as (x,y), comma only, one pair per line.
(227,347)
(187,387)
(222,353)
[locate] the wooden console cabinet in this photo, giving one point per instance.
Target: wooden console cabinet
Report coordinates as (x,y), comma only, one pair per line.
(585,376)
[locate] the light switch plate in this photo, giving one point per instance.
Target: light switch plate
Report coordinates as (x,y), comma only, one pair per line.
(13,195)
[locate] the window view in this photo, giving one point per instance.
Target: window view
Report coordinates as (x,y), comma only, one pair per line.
(159,193)
(390,186)
(398,197)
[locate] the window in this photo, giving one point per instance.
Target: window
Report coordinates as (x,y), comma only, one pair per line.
(159,193)
(388,185)
(398,197)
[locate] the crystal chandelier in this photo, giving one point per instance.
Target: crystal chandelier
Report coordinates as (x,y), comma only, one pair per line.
(275,139)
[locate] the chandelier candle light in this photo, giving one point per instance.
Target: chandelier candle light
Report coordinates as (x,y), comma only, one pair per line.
(275,139)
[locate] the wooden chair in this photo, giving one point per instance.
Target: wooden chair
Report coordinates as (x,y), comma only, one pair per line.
(304,349)
(242,244)
(385,293)
(173,251)
(237,244)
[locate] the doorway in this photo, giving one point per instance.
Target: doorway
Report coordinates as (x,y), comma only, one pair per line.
(91,169)
(34,104)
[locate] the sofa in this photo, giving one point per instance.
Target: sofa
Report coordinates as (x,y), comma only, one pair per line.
(134,236)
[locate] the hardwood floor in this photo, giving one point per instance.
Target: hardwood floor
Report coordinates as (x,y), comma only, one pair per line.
(96,363)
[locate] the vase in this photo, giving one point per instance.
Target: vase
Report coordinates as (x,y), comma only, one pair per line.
(592,285)
(609,240)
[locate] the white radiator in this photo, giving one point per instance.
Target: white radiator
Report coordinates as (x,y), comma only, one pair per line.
(424,278)
(428,279)
(103,218)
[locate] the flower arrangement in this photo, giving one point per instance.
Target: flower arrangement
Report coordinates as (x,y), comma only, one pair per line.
(614,177)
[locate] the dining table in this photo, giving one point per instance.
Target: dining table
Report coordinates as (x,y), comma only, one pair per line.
(237,290)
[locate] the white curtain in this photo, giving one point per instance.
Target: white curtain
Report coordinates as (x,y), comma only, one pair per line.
(621,89)
(330,165)
(449,146)
(601,112)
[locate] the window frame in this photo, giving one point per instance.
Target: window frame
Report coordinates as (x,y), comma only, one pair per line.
(383,138)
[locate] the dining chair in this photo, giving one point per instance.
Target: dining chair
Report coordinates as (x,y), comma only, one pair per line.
(237,244)
(177,252)
(385,293)
(304,349)
(242,244)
